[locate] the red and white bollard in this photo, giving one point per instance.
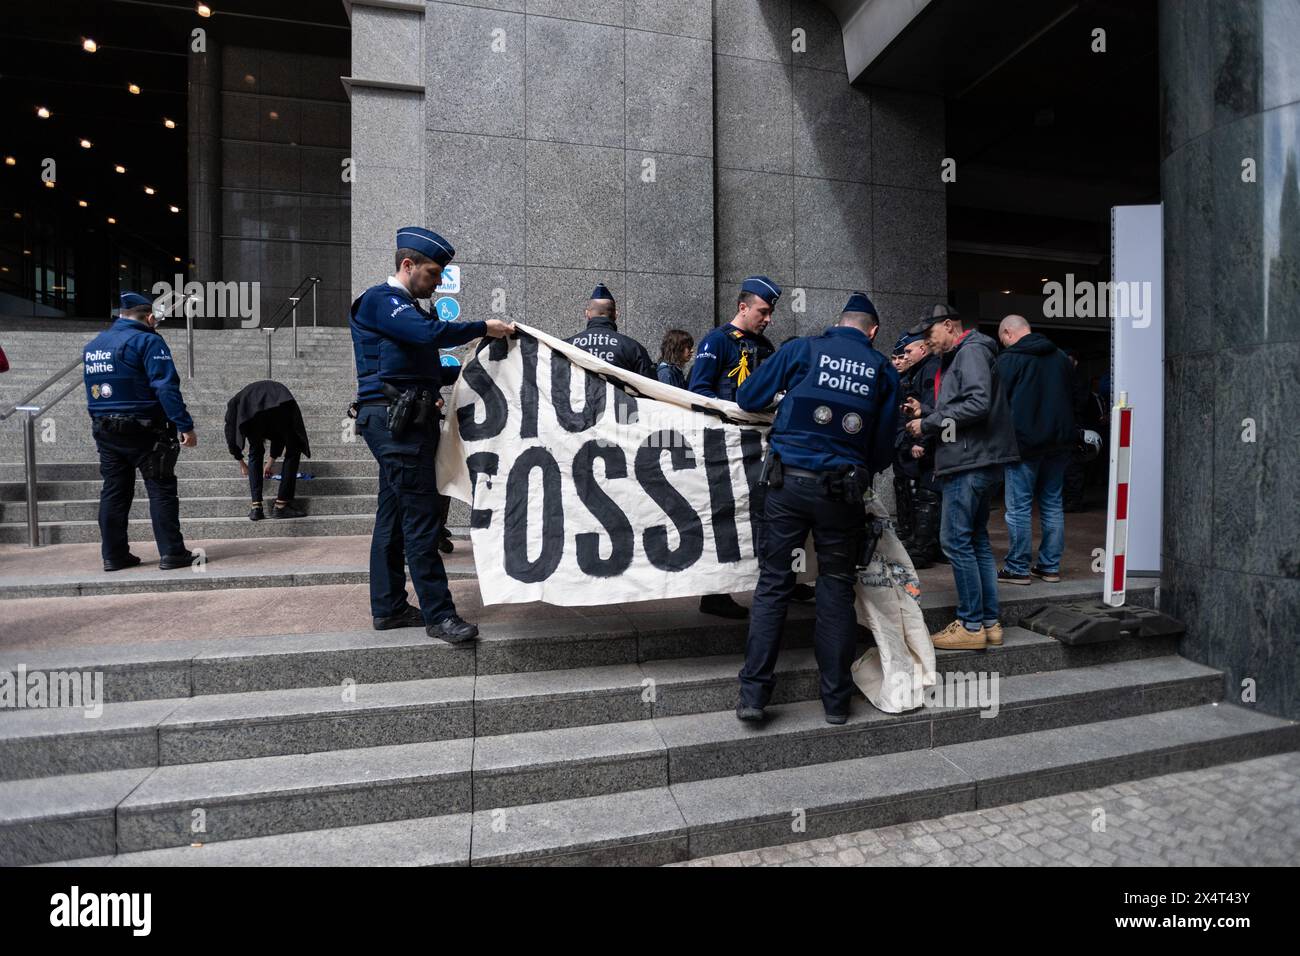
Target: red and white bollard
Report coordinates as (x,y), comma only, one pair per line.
(1121,432)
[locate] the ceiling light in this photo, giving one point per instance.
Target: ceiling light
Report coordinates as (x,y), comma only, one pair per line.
(1006,291)
(82,203)
(174,208)
(148,190)
(27,252)
(274,115)
(204,10)
(18,215)
(112,221)
(89,45)
(49,184)
(169,123)
(176,258)
(119,168)
(42,112)
(133,88)
(10,161)
(86,144)
(250,79)
(121,265)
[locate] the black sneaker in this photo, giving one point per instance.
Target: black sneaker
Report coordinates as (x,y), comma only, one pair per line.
(407,617)
(445,545)
(752,715)
(172,562)
(256,513)
(121,564)
(723,605)
(1006,577)
(837,719)
(804,592)
(1051,577)
(453,630)
(290,510)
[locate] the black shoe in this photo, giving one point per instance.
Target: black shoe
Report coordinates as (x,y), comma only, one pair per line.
(171,562)
(837,719)
(407,617)
(723,605)
(753,715)
(1051,577)
(445,545)
(290,510)
(920,560)
(256,513)
(1006,577)
(121,564)
(453,630)
(804,592)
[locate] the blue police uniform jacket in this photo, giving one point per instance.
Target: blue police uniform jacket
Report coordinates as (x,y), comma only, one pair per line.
(840,405)
(397,342)
(727,356)
(129,371)
(602,339)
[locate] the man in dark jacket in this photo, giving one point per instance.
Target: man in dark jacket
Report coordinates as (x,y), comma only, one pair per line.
(265,413)
(602,338)
(916,491)
(1038,378)
(976,439)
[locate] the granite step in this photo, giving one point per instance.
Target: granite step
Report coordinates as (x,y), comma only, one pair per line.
(195,506)
(82,532)
(281,662)
(262,796)
(189,468)
(725,814)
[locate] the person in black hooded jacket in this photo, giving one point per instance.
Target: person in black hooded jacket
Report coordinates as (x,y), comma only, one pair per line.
(259,414)
(1038,378)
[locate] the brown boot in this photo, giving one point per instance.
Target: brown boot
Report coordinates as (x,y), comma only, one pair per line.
(956,637)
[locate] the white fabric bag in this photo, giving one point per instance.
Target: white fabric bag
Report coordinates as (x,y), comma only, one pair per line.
(894,673)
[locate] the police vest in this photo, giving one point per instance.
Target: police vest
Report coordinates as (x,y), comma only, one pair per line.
(831,413)
(383,359)
(739,356)
(117,382)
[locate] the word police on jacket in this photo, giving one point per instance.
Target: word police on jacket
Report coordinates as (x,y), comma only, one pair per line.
(850,379)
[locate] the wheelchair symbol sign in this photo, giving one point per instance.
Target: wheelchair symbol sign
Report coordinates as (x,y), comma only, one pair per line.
(448,309)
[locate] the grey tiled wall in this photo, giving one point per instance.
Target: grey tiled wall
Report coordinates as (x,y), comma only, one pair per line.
(524,137)
(1231,91)
(823,186)
(530,122)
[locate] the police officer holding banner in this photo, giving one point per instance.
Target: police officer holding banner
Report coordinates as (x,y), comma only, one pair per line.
(833,430)
(133,393)
(396,344)
(727,356)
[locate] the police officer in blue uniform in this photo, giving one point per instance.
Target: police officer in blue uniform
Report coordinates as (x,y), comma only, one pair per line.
(726,357)
(396,343)
(602,338)
(833,430)
(732,352)
(133,393)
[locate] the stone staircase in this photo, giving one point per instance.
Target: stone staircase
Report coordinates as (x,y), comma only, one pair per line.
(609,742)
(339,498)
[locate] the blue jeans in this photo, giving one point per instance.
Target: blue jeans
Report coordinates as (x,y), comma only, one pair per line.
(964,537)
(1044,479)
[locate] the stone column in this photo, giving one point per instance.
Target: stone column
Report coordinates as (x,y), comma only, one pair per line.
(1230,92)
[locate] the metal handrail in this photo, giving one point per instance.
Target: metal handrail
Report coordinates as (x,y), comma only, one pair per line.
(29,442)
(280,314)
(42,387)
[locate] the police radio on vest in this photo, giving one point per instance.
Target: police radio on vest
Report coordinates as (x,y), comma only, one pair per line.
(848,381)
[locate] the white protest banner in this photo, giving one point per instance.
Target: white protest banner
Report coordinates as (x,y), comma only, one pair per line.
(591,485)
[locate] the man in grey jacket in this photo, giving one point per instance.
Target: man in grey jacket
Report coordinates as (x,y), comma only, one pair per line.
(977,438)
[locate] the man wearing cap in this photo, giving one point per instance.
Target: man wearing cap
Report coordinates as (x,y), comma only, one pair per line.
(726,357)
(917,493)
(396,343)
(834,429)
(972,421)
(133,393)
(602,338)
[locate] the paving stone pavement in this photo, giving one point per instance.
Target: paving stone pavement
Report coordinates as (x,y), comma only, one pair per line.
(1237,814)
